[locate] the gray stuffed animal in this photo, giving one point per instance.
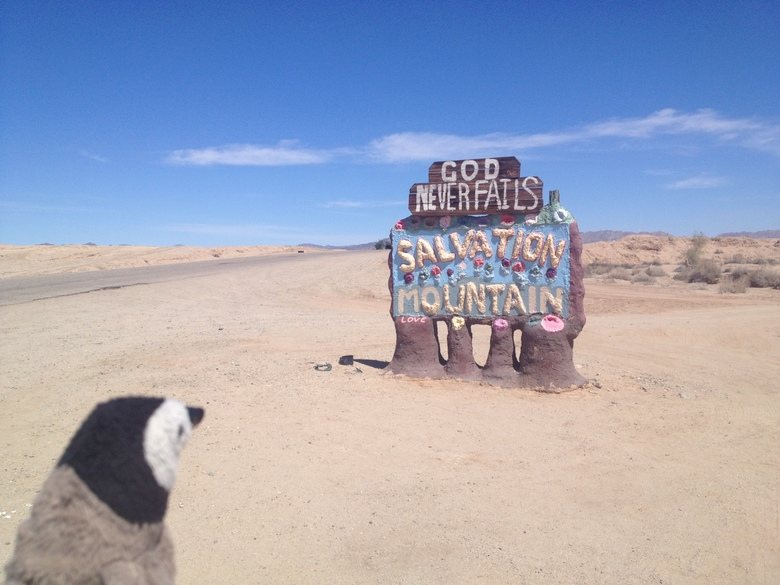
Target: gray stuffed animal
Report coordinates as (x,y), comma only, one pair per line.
(99,516)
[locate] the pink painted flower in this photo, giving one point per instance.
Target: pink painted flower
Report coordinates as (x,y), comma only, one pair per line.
(506,262)
(518,267)
(500,324)
(507,219)
(479,262)
(399,225)
(435,271)
(445,221)
(552,323)
(408,278)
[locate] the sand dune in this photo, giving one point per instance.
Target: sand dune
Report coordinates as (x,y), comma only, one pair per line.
(663,470)
(46,259)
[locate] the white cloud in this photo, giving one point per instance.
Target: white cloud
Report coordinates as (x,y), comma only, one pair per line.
(699,182)
(749,133)
(93,156)
(283,154)
(427,146)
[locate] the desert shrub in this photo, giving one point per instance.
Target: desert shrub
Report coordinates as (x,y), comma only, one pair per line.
(655,271)
(602,268)
(642,278)
(738,258)
(763,278)
(597,268)
(692,255)
(383,244)
(733,285)
(767,261)
(705,270)
(679,269)
(621,273)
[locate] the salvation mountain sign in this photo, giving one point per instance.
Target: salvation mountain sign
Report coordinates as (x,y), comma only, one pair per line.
(480,267)
(482,248)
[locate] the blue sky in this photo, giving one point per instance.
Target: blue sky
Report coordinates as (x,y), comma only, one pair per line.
(240,123)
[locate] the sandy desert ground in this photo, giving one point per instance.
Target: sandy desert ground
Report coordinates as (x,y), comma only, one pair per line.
(664,469)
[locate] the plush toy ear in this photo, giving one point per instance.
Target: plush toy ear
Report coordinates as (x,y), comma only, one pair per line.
(196,415)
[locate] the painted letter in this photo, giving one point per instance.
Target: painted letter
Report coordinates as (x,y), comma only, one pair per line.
(465,174)
(494,290)
(503,182)
(447,178)
(472,294)
(448,306)
(463,248)
(481,244)
(408,294)
(477,193)
(554,252)
(443,255)
(492,194)
(430,308)
(424,252)
(503,235)
(491,168)
(422,197)
(514,301)
(553,304)
(403,254)
(533,254)
(527,189)
(463,196)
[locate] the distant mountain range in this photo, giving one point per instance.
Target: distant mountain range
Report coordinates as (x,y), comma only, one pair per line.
(590,237)
(771,234)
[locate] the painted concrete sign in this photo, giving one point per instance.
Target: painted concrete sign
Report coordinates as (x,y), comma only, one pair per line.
(471,186)
(481,248)
(480,267)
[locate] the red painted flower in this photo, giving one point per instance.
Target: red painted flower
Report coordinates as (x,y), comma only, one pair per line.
(518,267)
(408,278)
(507,219)
(478,263)
(399,225)
(436,271)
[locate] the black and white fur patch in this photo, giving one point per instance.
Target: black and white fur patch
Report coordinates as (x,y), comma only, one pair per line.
(126,452)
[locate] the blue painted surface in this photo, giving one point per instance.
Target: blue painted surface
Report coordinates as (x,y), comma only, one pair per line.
(438,278)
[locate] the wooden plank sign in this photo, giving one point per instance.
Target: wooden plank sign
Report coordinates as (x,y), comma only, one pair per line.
(476,186)
(452,171)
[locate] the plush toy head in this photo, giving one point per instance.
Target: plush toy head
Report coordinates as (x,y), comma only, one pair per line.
(127,450)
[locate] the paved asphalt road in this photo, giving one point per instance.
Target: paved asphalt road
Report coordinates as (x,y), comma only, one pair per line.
(17,290)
